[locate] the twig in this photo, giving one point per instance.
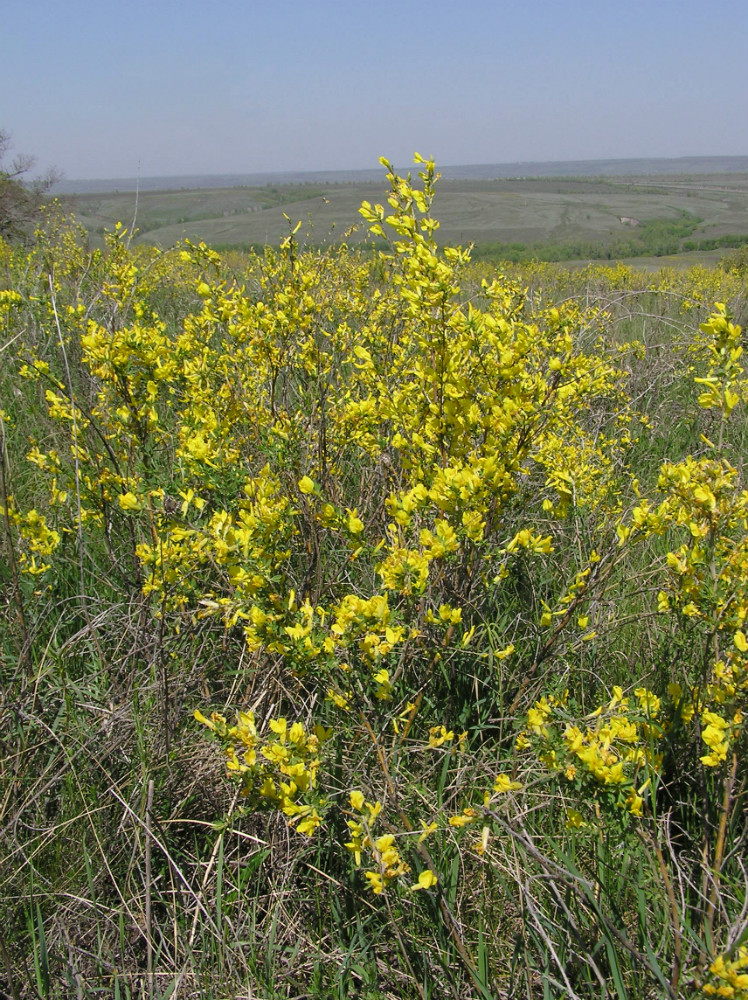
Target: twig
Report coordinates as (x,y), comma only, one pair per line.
(148,914)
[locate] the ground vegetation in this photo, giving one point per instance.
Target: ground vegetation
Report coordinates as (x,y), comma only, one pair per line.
(374,622)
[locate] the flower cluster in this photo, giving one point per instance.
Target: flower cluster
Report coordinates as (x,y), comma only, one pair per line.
(279,772)
(609,755)
(729,978)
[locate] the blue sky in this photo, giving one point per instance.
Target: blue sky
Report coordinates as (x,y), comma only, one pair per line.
(104,89)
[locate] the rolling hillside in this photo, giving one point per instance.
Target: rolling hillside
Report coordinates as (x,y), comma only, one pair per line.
(591,213)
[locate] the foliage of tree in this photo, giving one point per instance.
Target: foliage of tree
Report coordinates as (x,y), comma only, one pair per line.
(20,200)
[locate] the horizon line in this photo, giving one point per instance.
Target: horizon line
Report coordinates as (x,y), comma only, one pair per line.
(261,178)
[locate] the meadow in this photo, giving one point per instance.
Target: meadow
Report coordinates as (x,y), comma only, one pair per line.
(374,617)
(547,218)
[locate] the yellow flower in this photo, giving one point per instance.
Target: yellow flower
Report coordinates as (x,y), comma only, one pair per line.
(505,784)
(338,699)
(634,803)
(468,816)
(310,823)
(439,735)
(375,882)
(279,726)
(426,880)
(479,846)
(427,830)
(355,524)
(384,685)
(306,485)
(128,501)
(574,819)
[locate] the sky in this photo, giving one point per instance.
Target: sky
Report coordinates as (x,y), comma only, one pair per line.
(161,88)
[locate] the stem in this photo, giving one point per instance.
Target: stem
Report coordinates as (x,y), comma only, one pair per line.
(25,651)
(148,915)
(719,849)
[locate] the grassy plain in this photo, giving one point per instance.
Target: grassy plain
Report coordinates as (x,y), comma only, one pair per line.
(464,547)
(600,211)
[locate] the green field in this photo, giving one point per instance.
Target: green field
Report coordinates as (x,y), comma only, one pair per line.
(597,217)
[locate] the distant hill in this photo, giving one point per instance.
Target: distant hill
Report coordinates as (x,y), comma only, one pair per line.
(553,211)
(487,171)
